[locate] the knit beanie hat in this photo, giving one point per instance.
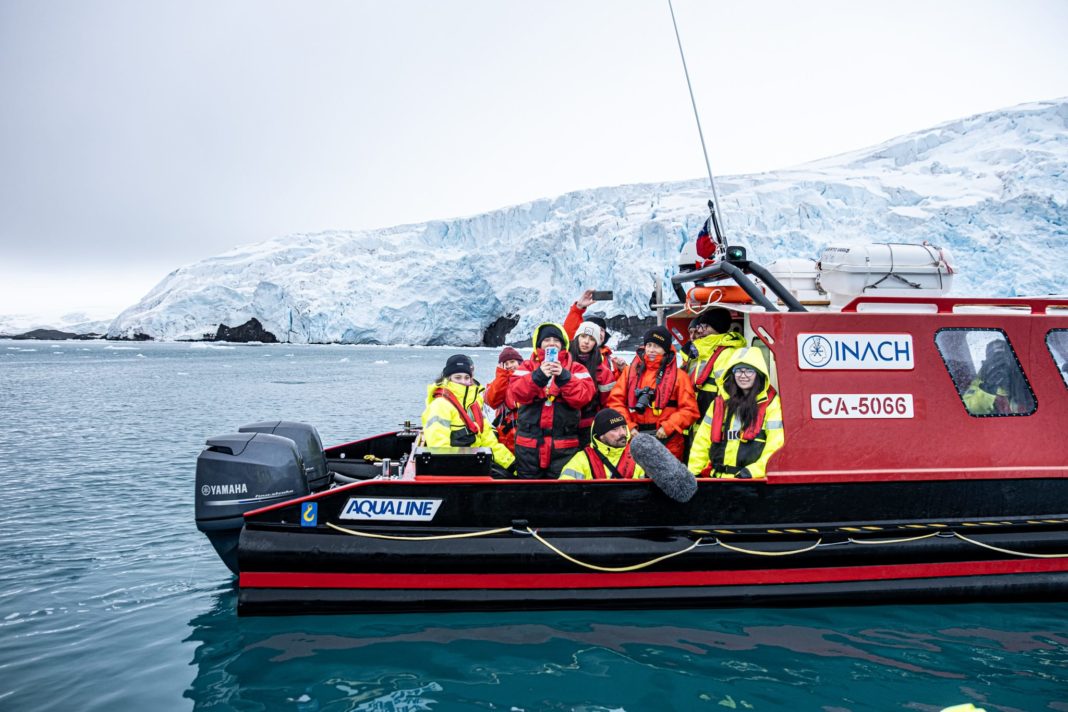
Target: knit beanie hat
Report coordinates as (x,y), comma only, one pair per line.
(509,354)
(605,420)
(589,329)
(547,330)
(658,335)
(716,317)
(458,364)
(599,321)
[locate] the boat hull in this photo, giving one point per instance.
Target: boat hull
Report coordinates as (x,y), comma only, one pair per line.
(539,545)
(277,600)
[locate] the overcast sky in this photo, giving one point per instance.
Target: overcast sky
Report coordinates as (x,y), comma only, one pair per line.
(137,136)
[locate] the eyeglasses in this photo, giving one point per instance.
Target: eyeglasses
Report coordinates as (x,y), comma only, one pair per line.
(745,371)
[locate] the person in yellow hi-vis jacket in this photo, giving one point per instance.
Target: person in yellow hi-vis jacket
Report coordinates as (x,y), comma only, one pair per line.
(453,415)
(712,344)
(743,427)
(607,456)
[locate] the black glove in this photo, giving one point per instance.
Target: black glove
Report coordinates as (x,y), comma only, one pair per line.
(691,351)
(743,474)
(502,473)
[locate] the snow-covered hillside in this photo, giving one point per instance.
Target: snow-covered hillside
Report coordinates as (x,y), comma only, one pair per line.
(92,322)
(993,188)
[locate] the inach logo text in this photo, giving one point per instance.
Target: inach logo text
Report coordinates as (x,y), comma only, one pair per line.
(871,352)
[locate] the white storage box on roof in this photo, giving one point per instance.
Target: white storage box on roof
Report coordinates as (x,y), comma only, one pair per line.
(800,277)
(884,269)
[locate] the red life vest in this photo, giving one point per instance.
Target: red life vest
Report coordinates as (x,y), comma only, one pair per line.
(600,472)
(473,419)
(706,370)
(664,390)
(719,411)
(504,419)
(548,424)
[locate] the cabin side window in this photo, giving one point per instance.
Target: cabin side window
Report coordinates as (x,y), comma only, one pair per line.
(985,372)
(1057,343)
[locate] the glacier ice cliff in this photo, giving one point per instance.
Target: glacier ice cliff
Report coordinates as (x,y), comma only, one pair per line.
(992,187)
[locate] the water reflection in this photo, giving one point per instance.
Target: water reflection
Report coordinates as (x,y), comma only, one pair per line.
(742,659)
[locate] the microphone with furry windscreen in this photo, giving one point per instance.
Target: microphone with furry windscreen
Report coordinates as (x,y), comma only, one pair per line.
(662,467)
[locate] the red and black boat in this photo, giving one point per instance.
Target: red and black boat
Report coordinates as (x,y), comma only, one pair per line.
(893,484)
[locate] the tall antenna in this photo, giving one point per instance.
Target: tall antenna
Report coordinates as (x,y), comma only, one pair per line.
(714,203)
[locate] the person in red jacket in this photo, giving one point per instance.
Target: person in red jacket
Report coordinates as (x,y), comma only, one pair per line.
(575,317)
(506,410)
(654,394)
(550,389)
(586,349)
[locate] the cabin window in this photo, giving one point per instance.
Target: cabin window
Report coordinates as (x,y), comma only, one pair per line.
(1057,343)
(985,372)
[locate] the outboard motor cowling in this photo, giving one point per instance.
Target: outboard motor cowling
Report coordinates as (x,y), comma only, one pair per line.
(238,473)
(309,445)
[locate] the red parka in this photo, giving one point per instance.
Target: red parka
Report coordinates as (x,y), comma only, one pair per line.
(548,421)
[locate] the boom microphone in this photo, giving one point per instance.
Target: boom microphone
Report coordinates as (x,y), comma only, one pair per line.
(662,467)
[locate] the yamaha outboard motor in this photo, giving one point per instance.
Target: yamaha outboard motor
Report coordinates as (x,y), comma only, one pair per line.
(241,472)
(308,443)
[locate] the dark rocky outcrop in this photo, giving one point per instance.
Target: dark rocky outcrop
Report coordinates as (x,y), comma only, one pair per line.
(137,336)
(627,330)
(52,335)
(496,332)
(630,330)
(251,330)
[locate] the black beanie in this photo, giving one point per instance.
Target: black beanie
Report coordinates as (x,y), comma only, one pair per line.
(605,420)
(458,364)
(658,335)
(546,330)
(716,317)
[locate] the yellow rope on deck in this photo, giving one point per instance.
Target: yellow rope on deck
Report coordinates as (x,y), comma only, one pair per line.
(892,541)
(611,569)
(740,550)
(691,547)
(466,535)
(1009,551)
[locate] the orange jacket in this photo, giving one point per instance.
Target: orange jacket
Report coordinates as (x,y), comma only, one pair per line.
(678,408)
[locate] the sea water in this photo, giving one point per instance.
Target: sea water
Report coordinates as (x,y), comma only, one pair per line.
(110,599)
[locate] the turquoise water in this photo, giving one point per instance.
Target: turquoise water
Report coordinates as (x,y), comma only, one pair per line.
(111,600)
